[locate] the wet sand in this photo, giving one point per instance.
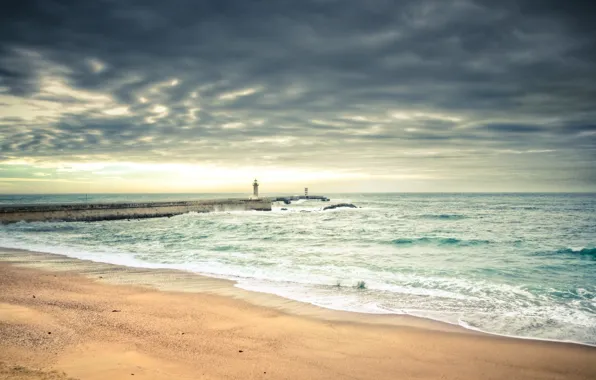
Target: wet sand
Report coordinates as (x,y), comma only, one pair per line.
(65,321)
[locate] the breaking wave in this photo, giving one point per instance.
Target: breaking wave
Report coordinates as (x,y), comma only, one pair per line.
(439,241)
(580,251)
(443,216)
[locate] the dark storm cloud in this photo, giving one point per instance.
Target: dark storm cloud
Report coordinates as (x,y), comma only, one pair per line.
(513,128)
(227,80)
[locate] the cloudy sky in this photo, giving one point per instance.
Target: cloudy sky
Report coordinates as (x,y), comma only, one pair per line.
(339,95)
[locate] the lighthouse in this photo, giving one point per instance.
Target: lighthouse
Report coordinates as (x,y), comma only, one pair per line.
(255,189)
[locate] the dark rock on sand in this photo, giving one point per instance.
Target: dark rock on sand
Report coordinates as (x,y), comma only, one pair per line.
(348,205)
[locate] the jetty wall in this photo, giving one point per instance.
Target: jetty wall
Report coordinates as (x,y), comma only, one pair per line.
(113,211)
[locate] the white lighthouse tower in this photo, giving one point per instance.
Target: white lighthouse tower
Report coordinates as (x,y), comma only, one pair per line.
(255,189)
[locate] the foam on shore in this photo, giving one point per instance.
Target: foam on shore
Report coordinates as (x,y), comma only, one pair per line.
(184,281)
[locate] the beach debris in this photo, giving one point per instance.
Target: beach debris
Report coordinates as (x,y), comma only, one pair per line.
(240,351)
(49,333)
(115,311)
(34,296)
(348,205)
(100,277)
(360,285)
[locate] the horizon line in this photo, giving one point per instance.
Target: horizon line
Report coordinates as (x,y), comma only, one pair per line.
(314,194)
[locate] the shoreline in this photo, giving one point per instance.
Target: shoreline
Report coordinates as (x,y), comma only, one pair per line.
(177,280)
(95,321)
(199,282)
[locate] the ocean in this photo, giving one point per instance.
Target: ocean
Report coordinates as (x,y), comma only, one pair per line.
(520,265)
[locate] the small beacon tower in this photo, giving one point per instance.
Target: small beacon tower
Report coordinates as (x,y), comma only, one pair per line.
(255,189)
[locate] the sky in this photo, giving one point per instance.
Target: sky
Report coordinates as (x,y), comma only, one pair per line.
(336,95)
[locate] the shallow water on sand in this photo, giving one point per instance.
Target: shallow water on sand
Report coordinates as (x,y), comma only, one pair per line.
(512,264)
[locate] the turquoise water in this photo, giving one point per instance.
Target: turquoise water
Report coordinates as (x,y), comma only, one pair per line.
(513,264)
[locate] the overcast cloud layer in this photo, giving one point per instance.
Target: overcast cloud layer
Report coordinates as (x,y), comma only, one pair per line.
(447,94)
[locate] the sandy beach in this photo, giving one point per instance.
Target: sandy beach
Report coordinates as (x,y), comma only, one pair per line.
(61,325)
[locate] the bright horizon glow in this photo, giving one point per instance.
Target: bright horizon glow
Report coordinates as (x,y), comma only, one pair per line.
(30,177)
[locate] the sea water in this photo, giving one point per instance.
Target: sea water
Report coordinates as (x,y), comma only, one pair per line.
(513,264)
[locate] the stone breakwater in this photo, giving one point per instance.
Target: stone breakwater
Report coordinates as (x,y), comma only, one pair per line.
(112,211)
